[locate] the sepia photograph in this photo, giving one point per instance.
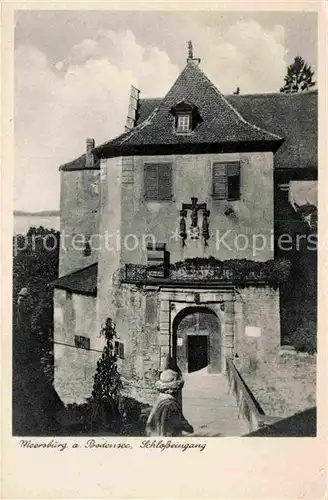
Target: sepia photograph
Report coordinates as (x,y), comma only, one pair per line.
(165,225)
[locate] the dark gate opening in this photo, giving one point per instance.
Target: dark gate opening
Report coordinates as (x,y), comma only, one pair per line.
(197,352)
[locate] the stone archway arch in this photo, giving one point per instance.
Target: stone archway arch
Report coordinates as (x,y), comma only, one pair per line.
(197,339)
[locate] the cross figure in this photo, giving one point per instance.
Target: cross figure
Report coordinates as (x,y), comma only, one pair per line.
(194,207)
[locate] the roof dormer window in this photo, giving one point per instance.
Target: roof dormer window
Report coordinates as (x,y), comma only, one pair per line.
(183,123)
(186,117)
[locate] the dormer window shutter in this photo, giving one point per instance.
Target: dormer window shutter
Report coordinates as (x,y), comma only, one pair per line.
(158,181)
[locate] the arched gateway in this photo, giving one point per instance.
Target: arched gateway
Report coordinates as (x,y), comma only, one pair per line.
(196,340)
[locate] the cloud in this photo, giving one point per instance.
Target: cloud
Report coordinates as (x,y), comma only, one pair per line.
(244,55)
(86,94)
(57,107)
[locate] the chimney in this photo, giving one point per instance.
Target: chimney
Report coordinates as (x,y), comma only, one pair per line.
(132,111)
(191,60)
(89,158)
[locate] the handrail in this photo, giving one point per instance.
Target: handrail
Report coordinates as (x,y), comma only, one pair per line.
(249,408)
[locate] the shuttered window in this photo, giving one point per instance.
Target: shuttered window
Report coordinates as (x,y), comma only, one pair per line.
(82,342)
(158,181)
(219,181)
(119,349)
(226,181)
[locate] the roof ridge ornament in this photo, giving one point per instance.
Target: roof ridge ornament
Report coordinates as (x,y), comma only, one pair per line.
(190,50)
(191,57)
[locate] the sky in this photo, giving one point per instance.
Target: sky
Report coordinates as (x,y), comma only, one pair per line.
(74,69)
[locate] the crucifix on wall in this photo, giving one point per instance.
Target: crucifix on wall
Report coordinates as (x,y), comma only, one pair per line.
(194,231)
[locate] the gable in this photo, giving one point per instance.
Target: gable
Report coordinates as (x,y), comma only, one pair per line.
(220,124)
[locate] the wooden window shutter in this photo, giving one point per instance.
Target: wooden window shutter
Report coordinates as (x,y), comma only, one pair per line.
(233,180)
(151,182)
(233,168)
(220,181)
(164,181)
(158,181)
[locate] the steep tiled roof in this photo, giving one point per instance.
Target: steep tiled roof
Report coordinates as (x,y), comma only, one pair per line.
(79,164)
(146,107)
(221,123)
(83,281)
(292,116)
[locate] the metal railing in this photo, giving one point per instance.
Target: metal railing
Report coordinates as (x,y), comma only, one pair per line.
(249,408)
(134,273)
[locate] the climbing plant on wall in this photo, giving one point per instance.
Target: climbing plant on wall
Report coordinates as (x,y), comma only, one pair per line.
(107,380)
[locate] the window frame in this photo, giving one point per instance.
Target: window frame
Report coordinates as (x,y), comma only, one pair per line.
(118,345)
(235,163)
(182,116)
(158,164)
(78,341)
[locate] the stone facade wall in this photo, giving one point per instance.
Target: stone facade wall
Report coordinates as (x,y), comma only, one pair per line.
(145,320)
(133,311)
(144,315)
(109,228)
(259,308)
(192,177)
(74,368)
(136,318)
(79,207)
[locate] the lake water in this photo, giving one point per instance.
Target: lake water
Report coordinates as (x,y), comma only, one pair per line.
(22,223)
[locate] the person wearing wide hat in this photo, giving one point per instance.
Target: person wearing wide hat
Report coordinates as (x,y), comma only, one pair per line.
(166,417)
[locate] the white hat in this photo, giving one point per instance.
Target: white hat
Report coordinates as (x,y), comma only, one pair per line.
(169,381)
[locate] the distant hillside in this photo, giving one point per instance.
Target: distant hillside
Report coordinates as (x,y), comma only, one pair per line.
(41,213)
(49,219)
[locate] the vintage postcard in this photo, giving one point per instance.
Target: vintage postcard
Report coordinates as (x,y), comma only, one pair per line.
(164,251)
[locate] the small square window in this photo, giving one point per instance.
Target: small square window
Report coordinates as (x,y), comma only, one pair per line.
(183,123)
(82,342)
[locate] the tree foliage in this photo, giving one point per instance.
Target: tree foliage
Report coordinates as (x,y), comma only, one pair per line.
(36,404)
(299,77)
(35,265)
(36,258)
